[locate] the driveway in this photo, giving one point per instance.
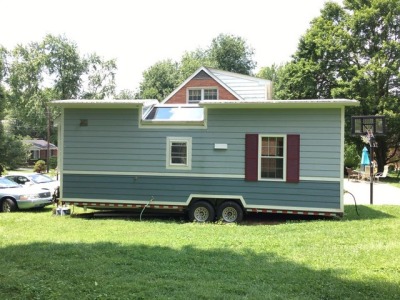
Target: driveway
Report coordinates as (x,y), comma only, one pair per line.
(383,193)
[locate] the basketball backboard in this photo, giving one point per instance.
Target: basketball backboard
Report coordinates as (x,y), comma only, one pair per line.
(363,125)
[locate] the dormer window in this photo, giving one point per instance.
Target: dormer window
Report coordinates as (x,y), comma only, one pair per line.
(197,94)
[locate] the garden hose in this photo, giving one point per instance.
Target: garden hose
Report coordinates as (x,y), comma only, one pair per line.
(148,203)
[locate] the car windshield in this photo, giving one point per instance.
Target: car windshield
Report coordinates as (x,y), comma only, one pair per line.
(40,178)
(7,183)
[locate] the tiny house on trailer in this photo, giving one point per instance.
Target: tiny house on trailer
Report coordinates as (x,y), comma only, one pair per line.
(215,158)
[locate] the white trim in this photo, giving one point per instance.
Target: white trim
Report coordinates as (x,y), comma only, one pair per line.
(168,163)
(318,209)
(60,154)
(86,200)
(85,103)
(154,174)
(203,196)
(260,137)
(211,196)
(328,179)
(261,103)
(232,176)
(341,170)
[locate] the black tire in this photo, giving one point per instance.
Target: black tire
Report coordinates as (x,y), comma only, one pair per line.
(8,205)
(230,212)
(201,212)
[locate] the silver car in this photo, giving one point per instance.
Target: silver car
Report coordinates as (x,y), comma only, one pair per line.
(13,196)
(39,180)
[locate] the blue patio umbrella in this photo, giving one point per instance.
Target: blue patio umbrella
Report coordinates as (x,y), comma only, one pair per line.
(365,157)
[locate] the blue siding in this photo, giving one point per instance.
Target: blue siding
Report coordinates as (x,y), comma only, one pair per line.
(177,189)
(113,142)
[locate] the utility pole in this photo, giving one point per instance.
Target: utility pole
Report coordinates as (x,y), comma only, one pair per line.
(48,139)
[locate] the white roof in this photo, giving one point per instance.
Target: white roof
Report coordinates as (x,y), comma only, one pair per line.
(104,103)
(306,103)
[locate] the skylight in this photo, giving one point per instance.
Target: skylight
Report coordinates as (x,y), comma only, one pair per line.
(175,114)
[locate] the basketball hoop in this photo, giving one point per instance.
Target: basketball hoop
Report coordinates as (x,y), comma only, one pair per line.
(368,127)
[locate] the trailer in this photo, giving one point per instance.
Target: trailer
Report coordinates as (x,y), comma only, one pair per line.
(216,159)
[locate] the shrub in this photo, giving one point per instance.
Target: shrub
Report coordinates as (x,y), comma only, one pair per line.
(53,162)
(40,166)
(352,157)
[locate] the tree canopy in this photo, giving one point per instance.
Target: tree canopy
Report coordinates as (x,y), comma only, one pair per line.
(52,69)
(226,52)
(351,52)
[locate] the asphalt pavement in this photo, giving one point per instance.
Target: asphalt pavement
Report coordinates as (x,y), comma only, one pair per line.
(383,193)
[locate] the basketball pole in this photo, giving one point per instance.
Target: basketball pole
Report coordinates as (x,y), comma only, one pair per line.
(371,170)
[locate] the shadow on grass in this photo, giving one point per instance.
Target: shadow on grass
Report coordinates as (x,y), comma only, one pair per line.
(365,213)
(113,271)
(162,215)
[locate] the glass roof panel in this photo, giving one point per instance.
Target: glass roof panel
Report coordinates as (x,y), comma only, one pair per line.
(176,114)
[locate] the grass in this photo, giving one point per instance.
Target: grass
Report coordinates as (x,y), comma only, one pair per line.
(393,178)
(51,257)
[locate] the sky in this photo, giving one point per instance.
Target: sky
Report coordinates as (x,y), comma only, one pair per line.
(140,33)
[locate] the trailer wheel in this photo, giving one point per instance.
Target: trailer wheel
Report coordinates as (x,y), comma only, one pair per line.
(230,212)
(7,205)
(201,211)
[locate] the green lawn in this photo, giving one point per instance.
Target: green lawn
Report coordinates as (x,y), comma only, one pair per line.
(392,178)
(60,257)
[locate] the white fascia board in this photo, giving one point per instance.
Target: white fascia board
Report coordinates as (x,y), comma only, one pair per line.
(74,103)
(318,103)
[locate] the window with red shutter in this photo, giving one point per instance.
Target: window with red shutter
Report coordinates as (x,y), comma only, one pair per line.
(272,159)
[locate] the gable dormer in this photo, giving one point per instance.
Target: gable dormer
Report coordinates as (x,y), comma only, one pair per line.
(200,86)
(212,84)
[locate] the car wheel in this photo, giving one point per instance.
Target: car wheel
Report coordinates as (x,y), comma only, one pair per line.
(201,211)
(230,212)
(8,205)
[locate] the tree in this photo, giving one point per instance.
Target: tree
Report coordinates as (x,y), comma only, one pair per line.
(52,69)
(226,52)
(352,52)
(231,53)
(100,75)
(159,80)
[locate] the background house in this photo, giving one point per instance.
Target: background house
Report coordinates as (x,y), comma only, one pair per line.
(38,149)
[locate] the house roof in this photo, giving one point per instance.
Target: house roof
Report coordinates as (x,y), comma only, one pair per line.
(85,103)
(39,144)
(307,103)
(243,87)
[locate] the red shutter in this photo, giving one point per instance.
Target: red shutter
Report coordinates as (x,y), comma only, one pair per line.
(251,157)
(293,158)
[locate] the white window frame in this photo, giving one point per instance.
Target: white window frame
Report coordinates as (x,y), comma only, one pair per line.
(261,136)
(202,93)
(188,142)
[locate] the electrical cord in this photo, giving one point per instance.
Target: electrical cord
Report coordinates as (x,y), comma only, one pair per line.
(355,203)
(148,203)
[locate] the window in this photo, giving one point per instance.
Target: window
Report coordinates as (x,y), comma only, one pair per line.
(179,152)
(272,157)
(197,94)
